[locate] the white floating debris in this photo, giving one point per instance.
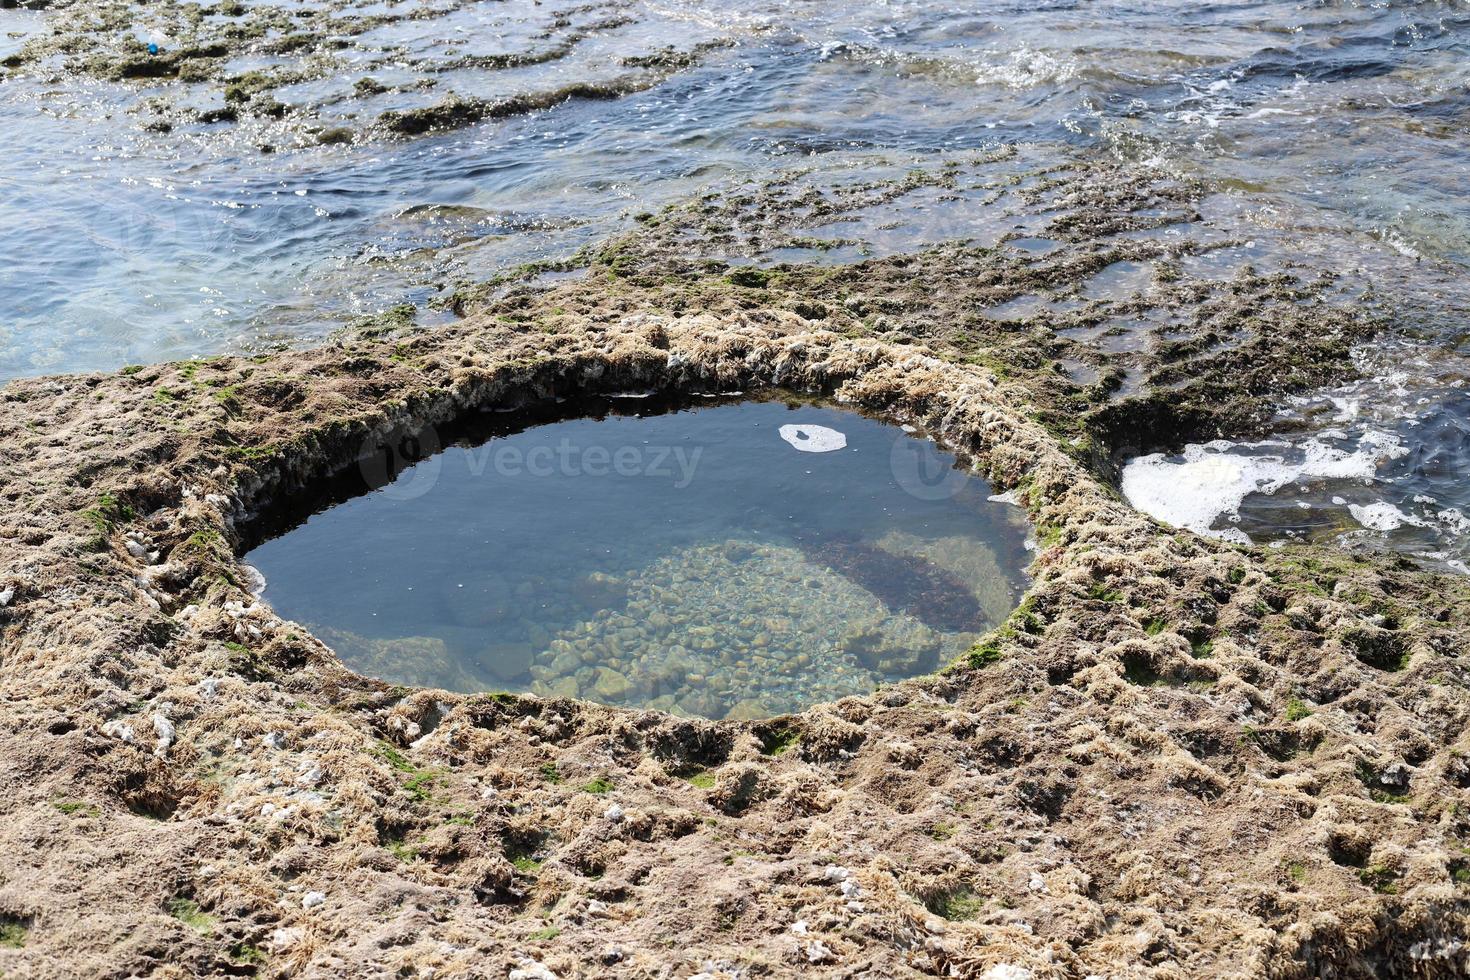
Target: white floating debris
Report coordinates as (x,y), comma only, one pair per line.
(7,596)
(813,438)
(1009,497)
(614,813)
(1212,481)
(1382,516)
(312,899)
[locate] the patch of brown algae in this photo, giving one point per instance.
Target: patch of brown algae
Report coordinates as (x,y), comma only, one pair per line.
(1178,759)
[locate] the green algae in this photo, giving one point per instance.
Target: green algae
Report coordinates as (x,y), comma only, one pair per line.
(187,911)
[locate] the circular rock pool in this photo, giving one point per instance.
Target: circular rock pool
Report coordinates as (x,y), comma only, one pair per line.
(728,560)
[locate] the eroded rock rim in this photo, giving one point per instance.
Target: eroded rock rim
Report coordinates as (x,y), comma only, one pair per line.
(1176,755)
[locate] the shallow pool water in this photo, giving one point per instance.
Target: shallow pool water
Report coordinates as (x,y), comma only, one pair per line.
(733,560)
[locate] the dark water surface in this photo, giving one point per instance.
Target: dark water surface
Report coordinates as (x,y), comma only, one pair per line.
(695,561)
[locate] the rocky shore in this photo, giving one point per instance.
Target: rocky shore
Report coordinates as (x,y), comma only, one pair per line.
(1177,758)
(344,72)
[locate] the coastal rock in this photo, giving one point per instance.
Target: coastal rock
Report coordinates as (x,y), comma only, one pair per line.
(507,661)
(563,687)
(477,601)
(600,590)
(610,684)
(894,655)
(1042,751)
(164,729)
(748,710)
(532,970)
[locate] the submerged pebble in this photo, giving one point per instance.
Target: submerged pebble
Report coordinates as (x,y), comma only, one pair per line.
(820,644)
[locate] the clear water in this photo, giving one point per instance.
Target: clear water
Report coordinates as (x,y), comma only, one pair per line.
(707,561)
(1335,131)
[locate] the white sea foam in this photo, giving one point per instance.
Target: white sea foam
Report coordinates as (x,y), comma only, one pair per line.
(1454,521)
(1024,68)
(813,438)
(1382,516)
(1212,480)
(254,579)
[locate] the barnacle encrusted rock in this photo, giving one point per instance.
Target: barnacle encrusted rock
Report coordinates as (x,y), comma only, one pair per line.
(1178,758)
